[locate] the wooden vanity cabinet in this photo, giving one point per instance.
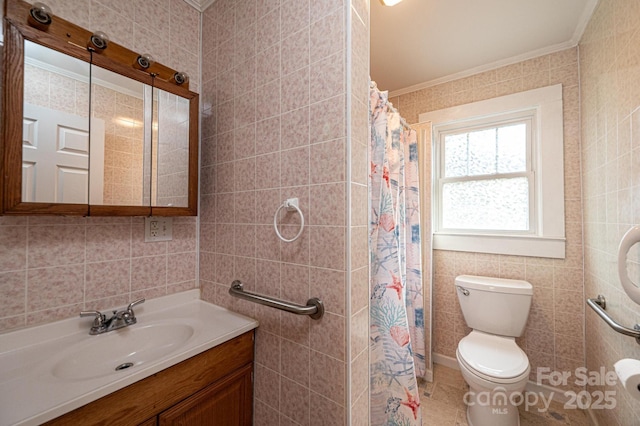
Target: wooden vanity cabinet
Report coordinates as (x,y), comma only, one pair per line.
(211,388)
(222,403)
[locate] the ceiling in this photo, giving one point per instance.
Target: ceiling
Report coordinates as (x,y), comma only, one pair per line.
(419,43)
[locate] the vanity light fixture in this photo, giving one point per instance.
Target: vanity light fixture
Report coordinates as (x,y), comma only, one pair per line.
(181,77)
(40,13)
(99,40)
(145,60)
(390,2)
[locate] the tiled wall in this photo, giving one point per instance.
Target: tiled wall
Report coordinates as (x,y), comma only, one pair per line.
(275,126)
(167,29)
(53,267)
(554,336)
(610,101)
(358,266)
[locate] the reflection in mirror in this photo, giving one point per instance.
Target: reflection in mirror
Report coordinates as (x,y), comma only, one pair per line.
(90,158)
(170,184)
(55,149)
(119,147)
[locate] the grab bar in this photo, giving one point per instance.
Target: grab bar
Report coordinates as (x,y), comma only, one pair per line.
(599,305)
(314,307)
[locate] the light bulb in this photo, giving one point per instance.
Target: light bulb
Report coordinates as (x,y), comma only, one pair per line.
(181,77)
(145,60)
(41,13)
(99,40)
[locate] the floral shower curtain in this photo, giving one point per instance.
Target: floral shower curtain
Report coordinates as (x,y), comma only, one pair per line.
(397,349)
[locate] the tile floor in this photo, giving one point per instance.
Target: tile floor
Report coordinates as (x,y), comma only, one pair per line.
(442,404)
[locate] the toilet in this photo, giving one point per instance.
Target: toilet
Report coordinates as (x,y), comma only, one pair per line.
(492,364)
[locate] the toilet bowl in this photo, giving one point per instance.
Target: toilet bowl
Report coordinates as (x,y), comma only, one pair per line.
(496,370)
(493,365)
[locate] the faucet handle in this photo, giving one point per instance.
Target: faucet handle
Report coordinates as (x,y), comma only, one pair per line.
(134,303)
(98,320)
(128,316)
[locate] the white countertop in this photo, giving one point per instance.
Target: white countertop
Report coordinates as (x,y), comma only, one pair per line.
(31,394)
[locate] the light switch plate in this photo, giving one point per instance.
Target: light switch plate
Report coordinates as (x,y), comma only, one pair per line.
(158,229)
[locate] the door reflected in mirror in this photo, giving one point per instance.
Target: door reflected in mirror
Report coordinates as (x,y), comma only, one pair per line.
(55,149)
(134,153)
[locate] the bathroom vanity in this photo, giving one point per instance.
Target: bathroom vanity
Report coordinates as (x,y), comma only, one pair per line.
(185,361)
(213,387)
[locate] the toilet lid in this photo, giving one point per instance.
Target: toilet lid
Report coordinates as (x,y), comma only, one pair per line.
(494,356)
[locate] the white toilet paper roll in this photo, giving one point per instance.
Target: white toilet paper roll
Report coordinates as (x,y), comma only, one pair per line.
(628,371)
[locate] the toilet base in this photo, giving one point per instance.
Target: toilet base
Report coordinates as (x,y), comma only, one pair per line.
(479,414)
(489,403)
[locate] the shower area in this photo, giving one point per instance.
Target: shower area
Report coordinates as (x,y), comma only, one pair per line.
(400,332)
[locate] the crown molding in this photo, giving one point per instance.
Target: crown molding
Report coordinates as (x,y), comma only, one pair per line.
(486,67)
(574,41)
(587,13)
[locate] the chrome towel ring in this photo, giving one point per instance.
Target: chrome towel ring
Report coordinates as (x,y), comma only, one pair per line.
(291,204)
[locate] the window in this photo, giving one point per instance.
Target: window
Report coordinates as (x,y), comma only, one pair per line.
(498,175)
(485,177)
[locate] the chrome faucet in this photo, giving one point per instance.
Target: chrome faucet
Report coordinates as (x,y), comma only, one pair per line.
(119,319)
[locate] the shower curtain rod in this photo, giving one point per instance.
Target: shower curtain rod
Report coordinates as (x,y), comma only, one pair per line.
(373,84)
(402,120)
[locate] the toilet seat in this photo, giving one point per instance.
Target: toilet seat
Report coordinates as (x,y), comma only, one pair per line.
(494,358)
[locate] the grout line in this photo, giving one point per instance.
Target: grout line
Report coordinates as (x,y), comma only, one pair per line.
(348,69)
(130,259)
(26,272)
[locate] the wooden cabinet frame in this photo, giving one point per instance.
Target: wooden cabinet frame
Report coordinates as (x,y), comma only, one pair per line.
(70,39)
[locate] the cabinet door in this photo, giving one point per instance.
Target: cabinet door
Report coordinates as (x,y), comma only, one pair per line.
(227,402)
(153,421)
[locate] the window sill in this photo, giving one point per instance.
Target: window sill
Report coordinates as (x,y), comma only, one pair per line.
(533,246)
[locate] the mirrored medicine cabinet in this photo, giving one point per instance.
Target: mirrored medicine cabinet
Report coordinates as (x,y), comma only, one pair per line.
(91,129)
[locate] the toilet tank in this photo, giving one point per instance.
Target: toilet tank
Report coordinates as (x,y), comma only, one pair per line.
(494,305)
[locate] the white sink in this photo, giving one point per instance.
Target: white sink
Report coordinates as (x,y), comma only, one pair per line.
(119,350)
(49,370)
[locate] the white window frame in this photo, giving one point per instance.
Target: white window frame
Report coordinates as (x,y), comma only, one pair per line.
(526,117)
(546,237)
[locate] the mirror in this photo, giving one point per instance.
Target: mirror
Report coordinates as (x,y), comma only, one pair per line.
(171,130)
(55,149)
(118,145)
(91,131)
